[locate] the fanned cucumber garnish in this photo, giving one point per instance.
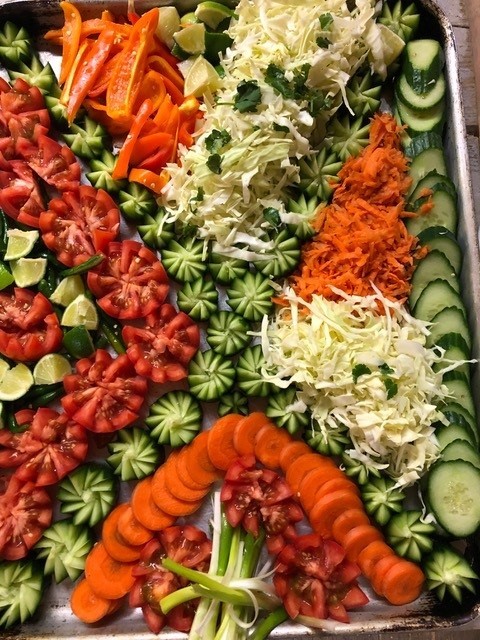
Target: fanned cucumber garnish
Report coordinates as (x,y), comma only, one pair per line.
(210,376)
(136,202)
(382,499)
(64,548)
(307,209)
(285,409)
(410,535)
(249,372)
(224,269)
(363,97)
(347,138)
(155,231)
(184,260)
(318,172)
(448,573)
(21,590)
(88,493)
(175,418)
(282,258)
(134,454)
(100,175)
(35,74)
(87,140)
(57,110)
(251,296)
(227,333)
(15,44)
(332,445)
(235,402)
(198,298)
(357,470)
(403,22)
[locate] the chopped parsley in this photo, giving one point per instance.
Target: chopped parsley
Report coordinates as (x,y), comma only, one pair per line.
(214,163)
(248,96)
(216,140)
(359,370)
(323,43)
(391,387)
(326,20)
(296,89)
(385,369)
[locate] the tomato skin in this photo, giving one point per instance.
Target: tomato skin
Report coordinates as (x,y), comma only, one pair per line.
(130,283)
(29,328)
(25,512)
(52,446)
(162,349)
(20,98)
(104,394)
(20,195)
(80,224)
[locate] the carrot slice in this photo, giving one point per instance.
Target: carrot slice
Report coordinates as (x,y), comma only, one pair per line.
(199,448)
(335,484)
(179,489)
(402,583)
(130,530)
(328,508)
(106,577)
(114,546)
(269,444)
(184,472)
(358,538)
(313,481)
(221,450)
(146,511)
(379,571)
(371,554)
(291,452)
(302,465)
(347,521)
(168,502)
(246,432)
(89,607)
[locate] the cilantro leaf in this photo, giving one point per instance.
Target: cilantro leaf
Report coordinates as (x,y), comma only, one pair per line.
(272,216)
(359,370)
(214,163)
(200,195)
(326,20)
(275,77)
(323,42)
(216,140)
(280,127)
(248,96)
(391,387)
(385,369)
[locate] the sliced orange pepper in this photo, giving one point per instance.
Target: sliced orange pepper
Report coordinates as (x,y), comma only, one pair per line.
(176,95)
(98,112)
(152,87)
(81,56)
(101,84)
(148,145)
(158,63)
(189,107)
(149,179)
(71,33)
(123,160)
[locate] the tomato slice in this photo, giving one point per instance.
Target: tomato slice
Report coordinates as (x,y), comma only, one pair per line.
(25,512)
(20,98)
(80,224)
(105,394)
(52,446)
(162,349)
(53,162)
(20,195)
(29,328)
(130,283)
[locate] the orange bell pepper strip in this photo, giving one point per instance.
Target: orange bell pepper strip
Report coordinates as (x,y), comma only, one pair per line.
(149,179)
(158,63)
(88,72)
(149,145)
(123,160)
(101,83)
(152,87)
(71,33)
(98,111)
(81,56)
(126,80)
(91,27)
(176,95)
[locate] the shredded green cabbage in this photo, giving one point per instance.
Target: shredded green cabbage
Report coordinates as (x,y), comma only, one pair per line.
(363,370)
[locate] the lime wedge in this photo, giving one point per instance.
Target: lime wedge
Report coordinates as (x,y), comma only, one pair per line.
(51,368)
(393,44)
(168,24)
(191,39)
(6,278)
(68,289)
(201,77)
(20,243)
(3,368)
(28,271)
(80,311)
(212,13)
(78,342)
(15,382)
(188,18)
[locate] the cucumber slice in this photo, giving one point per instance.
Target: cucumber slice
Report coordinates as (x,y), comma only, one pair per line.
(318,172)
(183,260)
(409,535)
(459,388)
(453,488)
(457,415)
(35,73)
(198,298)
(436,296)
(444,212)
(434,265)
(400,19)
(282,258)
(175,418)
(227,333)
(428,160)
(134,454)
(332,444)
(423,142)
(88,140)
(441,239)
(100,175)
(448,433)
(448,572)
(235,402)
(449,320)
(382,499)
(421,101)
(456,349)
(21,588)
(224,269)
(421,121)
(461,450)
(432,181)
(64,547)
(423,64)
(286,411)
(363,98)
(210,376)
(249,373)
(251,296)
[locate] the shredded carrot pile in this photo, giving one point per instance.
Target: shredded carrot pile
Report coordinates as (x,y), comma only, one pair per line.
(361,238)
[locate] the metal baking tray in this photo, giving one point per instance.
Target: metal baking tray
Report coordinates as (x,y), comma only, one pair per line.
(54,619)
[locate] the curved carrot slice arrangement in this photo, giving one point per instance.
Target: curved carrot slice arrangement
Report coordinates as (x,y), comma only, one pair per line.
(371,555)
(146,511)
(246,431)
(220,447)
(357,539)
(106,577)
(118,550)
(269,443)
(89,607)
(130,530)
(291,452)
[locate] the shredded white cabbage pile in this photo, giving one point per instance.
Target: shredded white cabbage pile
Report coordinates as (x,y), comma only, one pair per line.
(260,161)
(319,345)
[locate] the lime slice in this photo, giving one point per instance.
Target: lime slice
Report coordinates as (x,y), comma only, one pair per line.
(15,382)
(28,271)
(78,342)
(20,243)
(51,368)
(393,44)
(168,24)
(212,13)
(68,289)
(188,18)
(6,278)
(81,311)
(201,77)
(4,367)
(191,39)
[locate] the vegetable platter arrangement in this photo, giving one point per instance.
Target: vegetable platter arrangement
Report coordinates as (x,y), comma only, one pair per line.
(236,363)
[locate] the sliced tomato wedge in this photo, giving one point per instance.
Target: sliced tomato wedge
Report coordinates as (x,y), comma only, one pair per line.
(162,349)
(29,328)
(130,283)
(105,394)
(51,446)
(80,224)
(53,162)
(25,513)
(314,579)
(20,195)
(21,97)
